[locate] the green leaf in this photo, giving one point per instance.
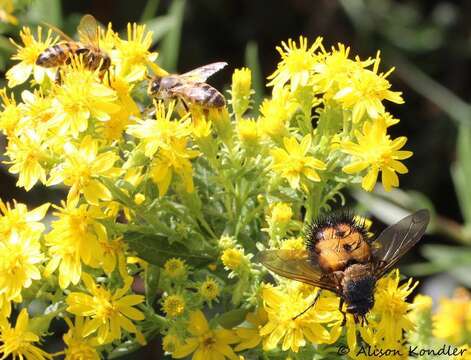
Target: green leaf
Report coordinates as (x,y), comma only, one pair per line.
(171,43)
(461,172)
(156,250)
(48,11)
(160,26)
(392,206)
(149,10)
(152,283)
(232,318)
(252,61)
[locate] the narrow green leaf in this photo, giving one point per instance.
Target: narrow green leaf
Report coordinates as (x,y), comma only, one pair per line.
(160,26)
(171,43)
(461,171)
(252,61)
(156,250)
(149,10)
(48,11)
(152,283)
(232,318)
(448,256)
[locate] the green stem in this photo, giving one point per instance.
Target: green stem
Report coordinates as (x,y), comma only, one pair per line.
(149,10)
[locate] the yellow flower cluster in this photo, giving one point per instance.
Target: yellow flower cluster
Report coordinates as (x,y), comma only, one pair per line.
(178,200)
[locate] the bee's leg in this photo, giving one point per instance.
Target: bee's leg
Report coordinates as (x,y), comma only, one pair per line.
(58,77)
(185,105)
(344,320)
(310,306)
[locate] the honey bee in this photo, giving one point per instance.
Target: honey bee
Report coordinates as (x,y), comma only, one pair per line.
(87,46)
(189,87)
(340,257)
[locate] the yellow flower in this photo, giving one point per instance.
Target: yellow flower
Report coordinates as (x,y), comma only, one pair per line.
(281,213)
(250,336)
(107,313)
(175,268)
(452,321)
(81,169)
(296,64)
(233,258)
(6,12)
(206,342)
(294,244)
(17,342)
(364,90)
(241,91)
(171,342)
(19,220)
(161,133)
(276,114)
(333,68)
(293,162)
(422,303)
(283,306)
(173,305)
(209,289)
(392,308)
(10,115)
(247,130)
(28,54)
(20,257)
(133,56)
(174,159)
(375,150)
(37,111)
(78,345)
(464,353)
(75,238)
(82,97)
(113,252)
(28,154)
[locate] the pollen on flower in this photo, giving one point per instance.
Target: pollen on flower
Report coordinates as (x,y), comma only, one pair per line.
(173,305)
(376,152)
(452,321)
(175,268)
(232,258)
(281,213)
(209,289)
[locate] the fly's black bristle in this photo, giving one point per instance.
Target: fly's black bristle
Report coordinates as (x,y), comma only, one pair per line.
(314,230)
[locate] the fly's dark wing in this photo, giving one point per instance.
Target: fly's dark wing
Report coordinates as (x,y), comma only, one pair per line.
(295,265)
(397,239)
(202,73)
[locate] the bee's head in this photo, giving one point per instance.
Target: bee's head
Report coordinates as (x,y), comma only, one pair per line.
(154,85)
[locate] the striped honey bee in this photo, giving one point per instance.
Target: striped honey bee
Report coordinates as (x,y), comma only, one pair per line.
(87,46)
(341,258)
(190,87)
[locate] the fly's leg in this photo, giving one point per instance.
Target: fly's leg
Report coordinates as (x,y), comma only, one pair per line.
(310,306)
(344,320)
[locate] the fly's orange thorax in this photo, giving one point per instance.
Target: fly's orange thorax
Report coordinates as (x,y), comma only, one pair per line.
(339,242)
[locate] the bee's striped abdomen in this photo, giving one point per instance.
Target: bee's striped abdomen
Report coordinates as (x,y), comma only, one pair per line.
(56,55)
(212,98)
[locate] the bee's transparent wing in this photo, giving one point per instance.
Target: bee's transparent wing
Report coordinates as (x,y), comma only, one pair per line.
(58,31)
(202,73)
(397,239)
(89,30)
(295,265)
